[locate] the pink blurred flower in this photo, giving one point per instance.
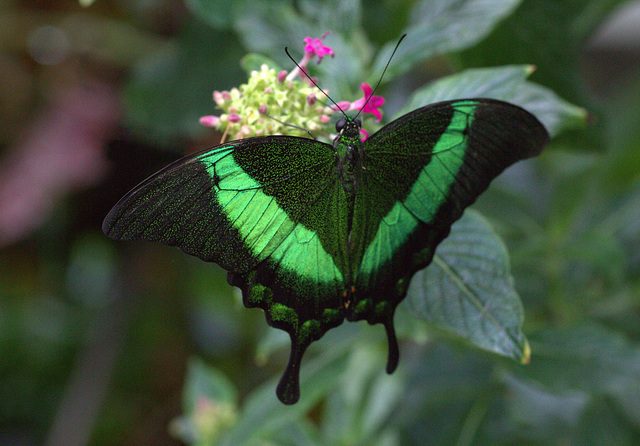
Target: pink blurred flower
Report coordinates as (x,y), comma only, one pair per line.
(209,121)
(60,151)
(315,47)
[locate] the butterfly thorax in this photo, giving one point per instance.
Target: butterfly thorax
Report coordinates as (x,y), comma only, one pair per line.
(348,152)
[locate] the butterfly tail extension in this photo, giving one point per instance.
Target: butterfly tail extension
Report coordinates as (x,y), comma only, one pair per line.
(288,390)
(394,350)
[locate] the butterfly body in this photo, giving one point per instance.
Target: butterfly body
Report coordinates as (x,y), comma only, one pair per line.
(315,233)
(348,149)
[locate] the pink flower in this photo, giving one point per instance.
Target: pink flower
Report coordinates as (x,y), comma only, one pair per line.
(311,99)
(234,117)
(314,47)
(342,106)
(209,121)
(370,103)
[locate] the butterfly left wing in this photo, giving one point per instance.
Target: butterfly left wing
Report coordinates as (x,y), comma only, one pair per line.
(419,174)
(269,210)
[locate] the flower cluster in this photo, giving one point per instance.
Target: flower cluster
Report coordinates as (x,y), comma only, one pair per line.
(284,103)
(269,104)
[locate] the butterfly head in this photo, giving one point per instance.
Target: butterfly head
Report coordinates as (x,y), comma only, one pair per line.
(349,127)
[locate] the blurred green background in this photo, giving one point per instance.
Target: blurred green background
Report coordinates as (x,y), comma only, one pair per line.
(109,343)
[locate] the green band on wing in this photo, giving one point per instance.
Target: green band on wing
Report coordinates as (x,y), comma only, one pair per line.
(429,191)
(265,228)
(392,232)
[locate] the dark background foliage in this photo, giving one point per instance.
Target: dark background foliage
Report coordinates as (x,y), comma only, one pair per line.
(99,341)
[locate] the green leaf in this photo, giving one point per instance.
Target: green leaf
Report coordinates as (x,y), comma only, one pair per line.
(554,112)
(220,14)
(339,16)
(443,26)
(203,380)
(209,402)
(268,27)
(623,136)
(582,385)
(494,83)
(622,219)
(253,62)
(540,414)
(546,33)
(302,432)
(359,411)
(509,84)
(589,358)
(447,392)
(603,424)
(468,290)
(264,416)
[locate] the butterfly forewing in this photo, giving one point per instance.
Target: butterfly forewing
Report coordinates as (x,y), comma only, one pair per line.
(241,203)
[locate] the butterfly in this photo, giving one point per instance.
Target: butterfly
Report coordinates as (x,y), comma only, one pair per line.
(316,233)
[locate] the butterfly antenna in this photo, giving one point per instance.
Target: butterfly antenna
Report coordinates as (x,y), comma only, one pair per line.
(382,75)
(286,50)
